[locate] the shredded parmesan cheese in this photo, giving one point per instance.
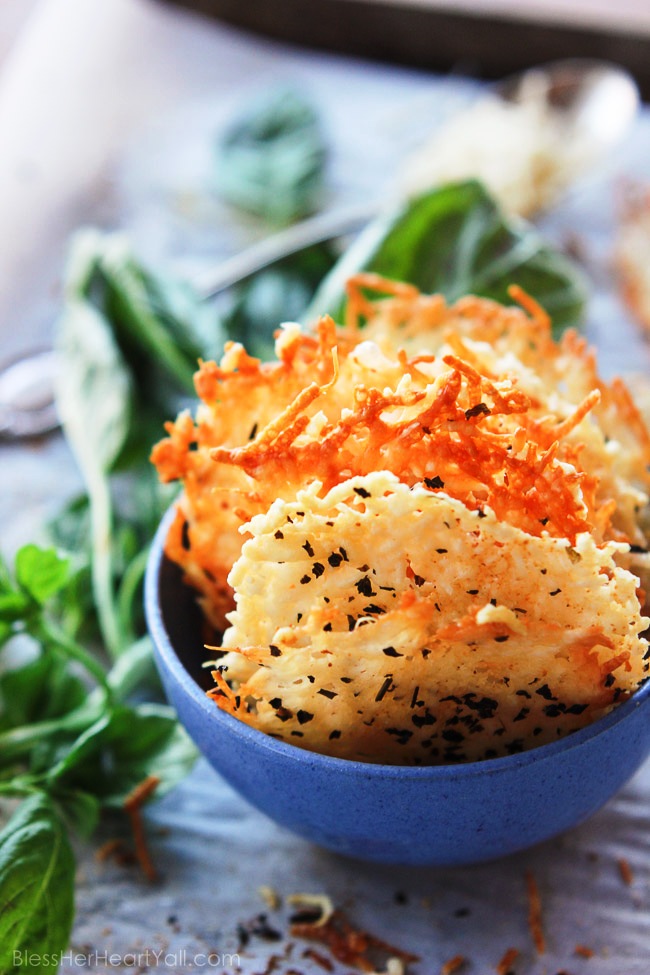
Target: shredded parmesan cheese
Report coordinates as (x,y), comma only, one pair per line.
(453,965)
(505,965)
(535,913)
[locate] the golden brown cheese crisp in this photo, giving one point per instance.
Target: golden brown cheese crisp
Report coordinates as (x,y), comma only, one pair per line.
(420,533)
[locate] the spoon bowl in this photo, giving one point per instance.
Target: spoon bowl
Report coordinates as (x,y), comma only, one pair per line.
(532,136)
(596,101)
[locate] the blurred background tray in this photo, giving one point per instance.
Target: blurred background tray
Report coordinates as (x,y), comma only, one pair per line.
(486,38)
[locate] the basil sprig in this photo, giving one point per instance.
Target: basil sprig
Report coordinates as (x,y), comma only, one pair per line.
(456,241)
(71,745)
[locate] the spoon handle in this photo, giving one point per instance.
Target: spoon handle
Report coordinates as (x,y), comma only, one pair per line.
(285,243)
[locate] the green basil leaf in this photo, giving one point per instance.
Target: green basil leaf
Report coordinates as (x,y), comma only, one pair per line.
(21,693)
(40,690)
(270,162)
(42,742)
(159,323)
(80,810)
(41,572)
(148,740)
(36,889)
(6,632)
(94,394)
(134,669)
(13,606)
(70,528)
(94,391)
(121,749)
(279,294)
(139,309)
(87,745)
(455,240)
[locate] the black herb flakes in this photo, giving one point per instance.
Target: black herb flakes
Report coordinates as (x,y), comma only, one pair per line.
(401,735)
(554,710)
(381,693)
(318,568)
(308,549)
(420,720)
(434,482)
(262,929)
(391,652)
(485,707)
(305,579)
(364,586)
(304,716)
(362,492)
(477,410)
(576,709)
(455,736)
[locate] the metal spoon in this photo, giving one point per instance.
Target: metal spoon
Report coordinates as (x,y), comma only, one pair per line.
(588,105)
(27,407)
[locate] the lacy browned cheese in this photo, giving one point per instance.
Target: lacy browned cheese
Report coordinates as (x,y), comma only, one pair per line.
(420,534)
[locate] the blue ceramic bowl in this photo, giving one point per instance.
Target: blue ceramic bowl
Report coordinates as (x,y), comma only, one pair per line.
(435,815)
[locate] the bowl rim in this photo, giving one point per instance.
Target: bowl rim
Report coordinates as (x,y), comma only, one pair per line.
(169,657)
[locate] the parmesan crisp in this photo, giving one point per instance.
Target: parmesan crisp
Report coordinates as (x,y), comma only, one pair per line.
(420,534)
